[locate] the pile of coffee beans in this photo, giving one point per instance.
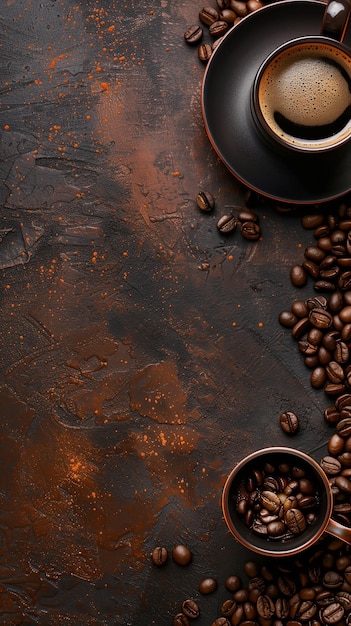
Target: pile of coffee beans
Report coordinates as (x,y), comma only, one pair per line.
(312,589)
(277,502)
(218,20)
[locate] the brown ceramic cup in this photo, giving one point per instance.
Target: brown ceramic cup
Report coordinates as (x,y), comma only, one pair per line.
(278,548)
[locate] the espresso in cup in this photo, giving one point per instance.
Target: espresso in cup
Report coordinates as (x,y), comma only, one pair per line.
(302,95)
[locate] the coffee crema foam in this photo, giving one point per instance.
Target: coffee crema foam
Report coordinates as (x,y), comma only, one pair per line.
(305,97)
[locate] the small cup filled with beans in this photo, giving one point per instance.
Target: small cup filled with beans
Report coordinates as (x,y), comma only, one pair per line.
(278,501)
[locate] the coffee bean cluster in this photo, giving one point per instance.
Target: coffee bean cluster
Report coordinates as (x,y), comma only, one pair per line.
(328,261)
(217,20)
(277,502)
(314,591)
(337,462)
(245,221)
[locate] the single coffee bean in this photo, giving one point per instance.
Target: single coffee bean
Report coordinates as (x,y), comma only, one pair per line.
(233,583)
(239,7)
(191,609)
(204,53)
(333,613)
(227,15)
(310,221)
(208,585)
(311,268)
(181,554)
(287,319)
(314,253)
(221,621)
(226,224)
(320,318)
(193,34)
(228,607)
(159,555)
(289,422)
(298,276)
(250,231)
(208,15)
(318,377)
(218,28)
(301,309)
(330,465)
(299,329)
(295,521)
(335,444)
(265,607)
(205,201)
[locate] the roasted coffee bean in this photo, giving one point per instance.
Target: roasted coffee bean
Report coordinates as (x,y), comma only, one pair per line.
(295,521)
(250,231)
(190,608)
(311,268)
(193,34)
(310,221)
(343,427)
(289,422)
(239,7)
(226,224)
(335,444)
(159,555)
(332,580)
(318,377)
(205,200)
(181,554)
(208,15)
(343,484)
(320,318)
(287,319)
(208,585)
(265,607)
(300,328)
(298,276)
(333,613)
(218,28)
(228,607)
(330,465)
(227,15)
(335,372)
(233,583)
(204,52)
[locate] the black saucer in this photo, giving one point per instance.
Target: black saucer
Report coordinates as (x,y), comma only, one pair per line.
(225,102)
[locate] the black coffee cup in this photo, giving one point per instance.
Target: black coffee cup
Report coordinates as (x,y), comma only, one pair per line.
(301,96)
(236,489)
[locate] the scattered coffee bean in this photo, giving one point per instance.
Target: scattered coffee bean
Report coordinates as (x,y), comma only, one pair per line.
(159,556)
(205,201)
(226,224)
(208,585)
(193,34)
(191,609)
(204,52)
(181,554)
(289,422)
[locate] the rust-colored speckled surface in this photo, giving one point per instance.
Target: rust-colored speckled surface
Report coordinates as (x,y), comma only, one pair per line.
(141,354)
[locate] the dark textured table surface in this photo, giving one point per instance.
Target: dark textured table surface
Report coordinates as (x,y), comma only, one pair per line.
(141,354)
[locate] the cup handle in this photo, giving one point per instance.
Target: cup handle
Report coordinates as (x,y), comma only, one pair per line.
(336,18)
(339,531)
